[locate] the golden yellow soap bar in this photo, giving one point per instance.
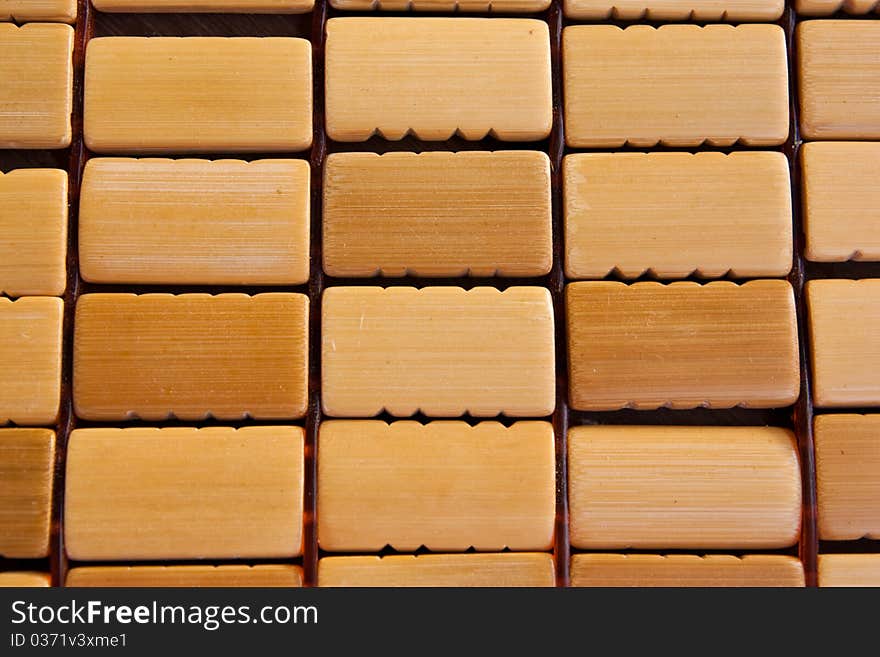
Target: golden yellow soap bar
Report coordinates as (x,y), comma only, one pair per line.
(28,579)
(673,214)
(828,7)
(184,493)
(261,576)
(198,94)
(221,222)
(437,214)
(663,487)
(33,232)
(63,11)
(437,77)
(209,6)
(849,570)
(677,85)
(445,485)
(675,10)
(443,351)
(36,79)
(482,6)
(191,356)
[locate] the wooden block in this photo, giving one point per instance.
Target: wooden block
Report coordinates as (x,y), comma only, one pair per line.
(190,356)
(222,222)
(839,79)
(62,11)
(682,345)
(677,85)
(437,77)
(445,485)
(845,335)
(674,214)
(434,570)
(27,461)
(677,570)
(828,7)
(438,214)
(683,487)
(198,94)
(25,579)
(184,493)
(206,6)
(841,200)
(849,570)
(30,351)
(443,351)
(675,10)
(37,82)
(262,576)
(848,476)
(33,232)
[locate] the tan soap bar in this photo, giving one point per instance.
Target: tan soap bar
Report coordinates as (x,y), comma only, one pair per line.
(63,11)
(438,214)
(191,356)
(848,476)
(675,10)
(673,214)
(222,222)
(841,200)
(25,579)
(447,486)
(198,94)
(436,77)
(849,570)
(261,576)
(677,85)
(499,6)
(206,6)
(682,345)
(683,487)
(37,82)
(844,320)
(506,569)
(30,353)
(184,493)
(827,7)
(33,232)
(443,351)
(27,461)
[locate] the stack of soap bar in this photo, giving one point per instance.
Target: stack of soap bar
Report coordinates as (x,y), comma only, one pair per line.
(501,6)
(675,10)
(219,6)
(63,11)
(262,576)
(827,7)
(849,570)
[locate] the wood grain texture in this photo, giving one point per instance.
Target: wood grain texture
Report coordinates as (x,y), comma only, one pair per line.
(37,82)
(184,493)
(676,570)
(848,476)
(673,214)
(841,201)
(675,10)
(262,576)
(844,317)
(190,356)
(445,485)
(682,345)
(25,578)
(206,6)
(437,214)
(198,94)
(662,487)
(839,79)
(828,7)
(849,570)
(443,351)
(30,351)
(437,77)
(436,570)
(677,85)
(63,11)
(452,6)
(27,461)
(221,222)
(33,232)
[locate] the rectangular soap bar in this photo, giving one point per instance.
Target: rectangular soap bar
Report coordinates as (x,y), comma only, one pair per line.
(198,94)
(682,345)
(33,232)
(499,6)
(674,214)
(447,486)
(675,10)
(438,214)
(29,579)
(27,461)
(222,222)
(841,200)
(443,351)
(683,487)
(37,82)
(260,576)
(184,493)
(190,356)
(30,353)
(839,79)
(208,6)
(844,318)
(437,77)
(828,7)
(849,570)
(676,570)
(677,85)
(63,11)
(435,570)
